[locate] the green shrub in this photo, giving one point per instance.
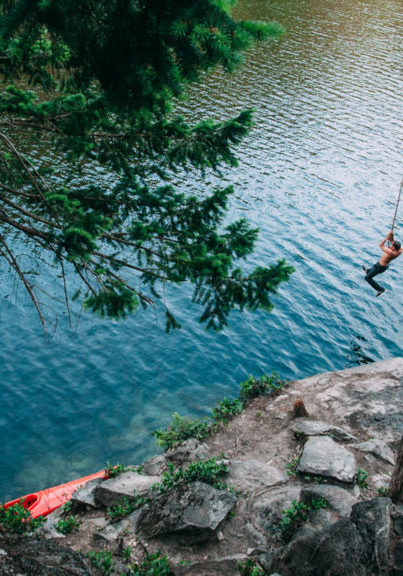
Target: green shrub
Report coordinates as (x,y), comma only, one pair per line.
(102,560)
(152,565)
(254,387)
(69,524)
(17,519)
(113,470)
(208,471)
(226,410)
(183,428)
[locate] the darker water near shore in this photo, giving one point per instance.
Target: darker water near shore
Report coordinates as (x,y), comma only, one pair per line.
(319,175)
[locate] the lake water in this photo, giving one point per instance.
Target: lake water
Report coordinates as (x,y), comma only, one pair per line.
(319,174)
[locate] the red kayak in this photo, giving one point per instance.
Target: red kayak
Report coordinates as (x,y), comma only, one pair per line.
(44,502)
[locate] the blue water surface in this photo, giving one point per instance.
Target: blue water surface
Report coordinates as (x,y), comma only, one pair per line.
(319,175)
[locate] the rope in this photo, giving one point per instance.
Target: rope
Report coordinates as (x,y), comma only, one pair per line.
(397,205)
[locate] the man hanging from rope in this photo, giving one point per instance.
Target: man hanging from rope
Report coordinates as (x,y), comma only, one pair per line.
(389,254)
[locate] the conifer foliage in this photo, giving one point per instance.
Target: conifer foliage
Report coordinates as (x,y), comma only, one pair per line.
(93,82)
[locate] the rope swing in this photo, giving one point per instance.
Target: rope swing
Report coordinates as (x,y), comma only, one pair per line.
(397,205)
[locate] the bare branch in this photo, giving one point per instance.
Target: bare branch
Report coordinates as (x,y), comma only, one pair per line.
(13,262)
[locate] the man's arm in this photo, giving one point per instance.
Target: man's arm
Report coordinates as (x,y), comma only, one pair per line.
(389,238)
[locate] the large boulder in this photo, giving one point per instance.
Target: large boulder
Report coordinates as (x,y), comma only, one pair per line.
(191,513)
(322,456)
(126,485)
(337,550)
(373,520)
(29,556)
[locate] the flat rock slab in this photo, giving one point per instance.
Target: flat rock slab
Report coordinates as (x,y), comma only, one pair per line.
(227,566)
(337,498)
(322,456)
(249,475)
(190,513)
(126,485)
(380,450)
(308,427)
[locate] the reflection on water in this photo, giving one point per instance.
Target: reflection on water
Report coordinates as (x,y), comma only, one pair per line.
(357,356)
(318,174)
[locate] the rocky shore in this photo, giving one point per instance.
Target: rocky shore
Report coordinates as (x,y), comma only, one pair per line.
(297,484)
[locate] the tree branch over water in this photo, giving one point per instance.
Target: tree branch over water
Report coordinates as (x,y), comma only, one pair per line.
(102,78)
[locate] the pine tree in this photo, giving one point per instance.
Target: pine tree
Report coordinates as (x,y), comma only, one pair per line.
(102,77)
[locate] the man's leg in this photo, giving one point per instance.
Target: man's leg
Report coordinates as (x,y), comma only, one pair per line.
(369,277)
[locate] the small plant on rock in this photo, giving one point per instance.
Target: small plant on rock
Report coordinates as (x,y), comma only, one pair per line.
(126,553)
(152,565)
(68,524)
(67,507)
(296,515)
(318,503)
(250,568)
(291,467)
(361,477)
(18,520)
(125,507)
(383,491)
(113,470)
(102,560)
(293,517)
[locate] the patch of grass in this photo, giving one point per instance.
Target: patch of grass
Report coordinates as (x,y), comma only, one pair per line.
(152,565)
(208,471)
(296,515)
(361,477)
(68,524)
(250,568)
(17,520)
(102,560)
(126,506)
(182,428)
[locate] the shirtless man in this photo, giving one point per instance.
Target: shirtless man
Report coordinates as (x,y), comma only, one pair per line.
(389,254)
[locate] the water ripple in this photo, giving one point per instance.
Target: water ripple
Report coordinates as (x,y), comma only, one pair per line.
(318,174)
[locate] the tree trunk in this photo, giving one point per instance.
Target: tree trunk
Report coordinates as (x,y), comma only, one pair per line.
(396,482)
